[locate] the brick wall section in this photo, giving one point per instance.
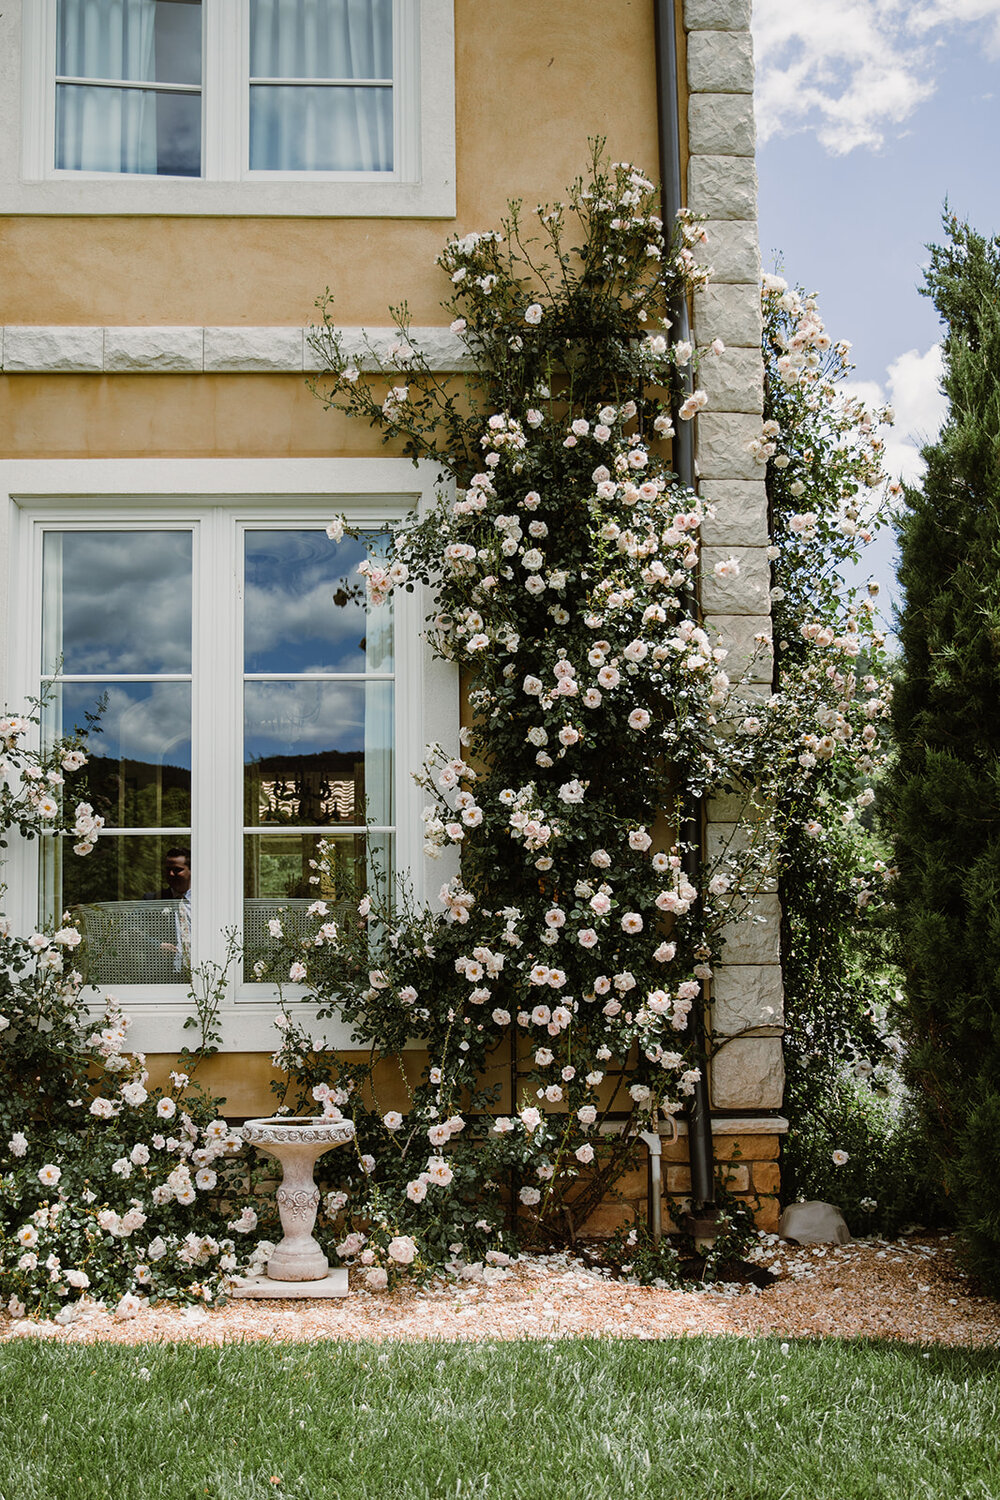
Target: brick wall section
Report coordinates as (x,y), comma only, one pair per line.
(746,1071)
(746,1149)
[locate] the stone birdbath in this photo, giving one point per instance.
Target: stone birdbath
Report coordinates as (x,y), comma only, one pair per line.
(298,1267)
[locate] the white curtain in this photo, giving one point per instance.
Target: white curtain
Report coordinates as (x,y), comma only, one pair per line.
(313,128)
(106,129)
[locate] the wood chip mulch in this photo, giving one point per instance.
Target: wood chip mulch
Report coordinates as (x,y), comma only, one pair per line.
(910,1289)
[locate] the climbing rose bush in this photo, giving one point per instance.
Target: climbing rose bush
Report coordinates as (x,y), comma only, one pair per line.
(111,1190)
(555,979)
(828,493)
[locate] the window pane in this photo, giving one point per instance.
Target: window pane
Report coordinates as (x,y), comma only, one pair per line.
(100,129)
(135,930)
(116,601)
(305,605)
(278,869)
(310,129)
(320,38)
(315,751)
(144,41)
(139,749)
(127,130)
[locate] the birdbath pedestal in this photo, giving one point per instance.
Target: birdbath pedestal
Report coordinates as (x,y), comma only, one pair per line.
(298,1267)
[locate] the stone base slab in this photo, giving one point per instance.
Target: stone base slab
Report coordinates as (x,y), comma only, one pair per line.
(332,1285)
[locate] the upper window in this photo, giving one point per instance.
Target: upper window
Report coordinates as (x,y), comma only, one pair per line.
(233,106)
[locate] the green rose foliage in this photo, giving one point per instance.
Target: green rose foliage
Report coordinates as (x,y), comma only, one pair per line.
(827,495)
(110,1191)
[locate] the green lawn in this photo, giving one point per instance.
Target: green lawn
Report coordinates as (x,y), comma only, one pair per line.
(703,1419)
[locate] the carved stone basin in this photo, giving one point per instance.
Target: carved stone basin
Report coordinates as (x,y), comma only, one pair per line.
(297,1142)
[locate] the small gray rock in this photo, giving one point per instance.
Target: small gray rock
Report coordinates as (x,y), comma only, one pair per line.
(814,1224)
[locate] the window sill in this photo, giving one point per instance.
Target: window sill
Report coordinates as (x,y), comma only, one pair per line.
(263,197)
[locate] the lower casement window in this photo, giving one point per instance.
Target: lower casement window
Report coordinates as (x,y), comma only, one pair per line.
(246,706)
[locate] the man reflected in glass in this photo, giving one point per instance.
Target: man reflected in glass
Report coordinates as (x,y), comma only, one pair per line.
(177,875)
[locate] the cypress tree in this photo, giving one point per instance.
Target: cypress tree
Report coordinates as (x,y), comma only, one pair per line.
(945,791)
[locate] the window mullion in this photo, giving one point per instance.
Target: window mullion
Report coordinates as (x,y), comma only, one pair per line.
(215,833)
(226,55)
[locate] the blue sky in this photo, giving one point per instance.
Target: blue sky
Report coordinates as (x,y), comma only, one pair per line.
(870,113)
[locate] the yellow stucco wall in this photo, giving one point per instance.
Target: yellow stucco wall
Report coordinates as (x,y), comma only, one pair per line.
(534,82)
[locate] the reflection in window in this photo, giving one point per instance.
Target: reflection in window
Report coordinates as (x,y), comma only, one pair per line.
(116,659)
(318,727)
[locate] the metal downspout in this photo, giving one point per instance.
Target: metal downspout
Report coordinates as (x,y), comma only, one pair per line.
(668,104)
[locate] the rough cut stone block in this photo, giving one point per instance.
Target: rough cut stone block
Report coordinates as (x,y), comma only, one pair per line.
(153,349)
(374,347)
(679,1180)
(720,125)
(748,1145)
(720,62)
(734,380)
(748,1073)
(766,1176)
(717,15)
(724,187)
(739,517)
(756,938)
(747,593)
(765,1215)
(746,997)
(253,349)
(607,1218)
(733,839)
(738,634)
(53,350)
(732,251)
(729,312)
(724,439)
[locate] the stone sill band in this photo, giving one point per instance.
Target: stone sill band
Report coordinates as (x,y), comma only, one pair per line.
(179,350)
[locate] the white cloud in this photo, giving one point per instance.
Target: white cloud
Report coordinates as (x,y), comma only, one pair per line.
(851,70)
(913,390)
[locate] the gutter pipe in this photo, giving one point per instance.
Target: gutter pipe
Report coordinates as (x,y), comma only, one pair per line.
(668,106)
(654,1145)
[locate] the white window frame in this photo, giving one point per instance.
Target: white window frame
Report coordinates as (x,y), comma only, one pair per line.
(220,495)
(422,182)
